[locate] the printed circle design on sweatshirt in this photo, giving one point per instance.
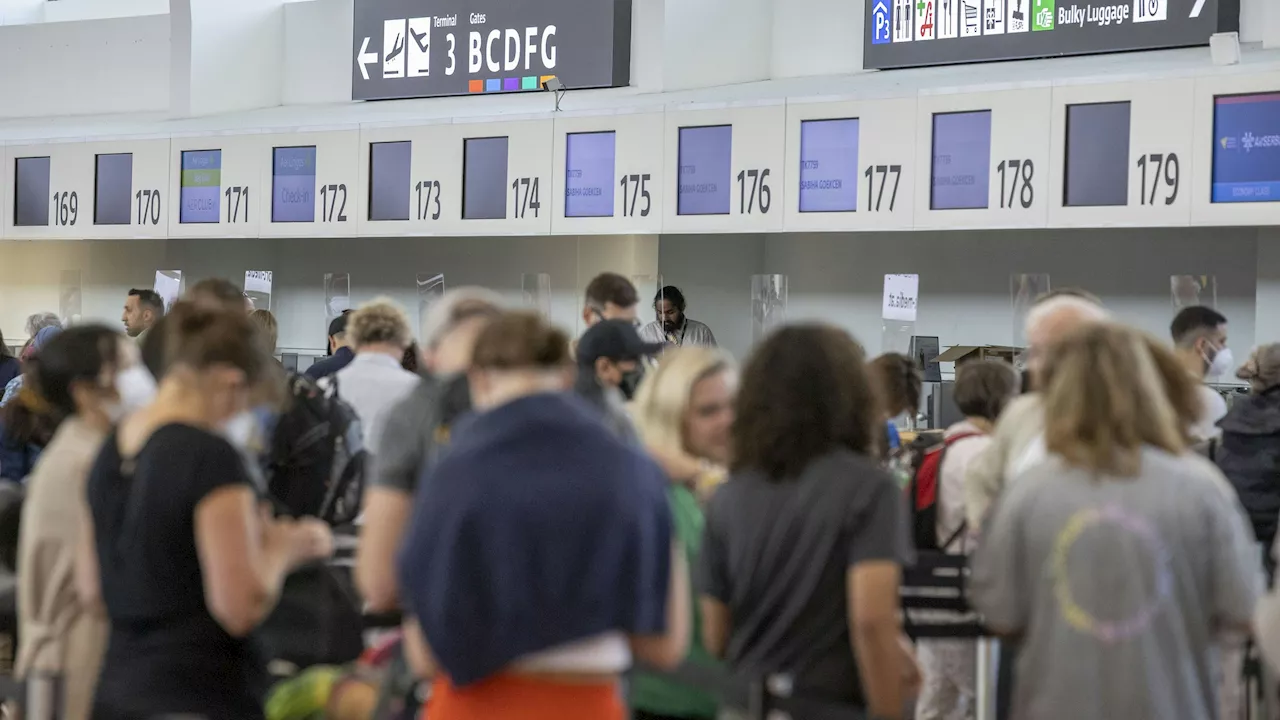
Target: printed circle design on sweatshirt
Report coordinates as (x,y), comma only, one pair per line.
(1110,630)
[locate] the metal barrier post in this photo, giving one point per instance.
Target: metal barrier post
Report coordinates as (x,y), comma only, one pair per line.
(43,698)
(988,675)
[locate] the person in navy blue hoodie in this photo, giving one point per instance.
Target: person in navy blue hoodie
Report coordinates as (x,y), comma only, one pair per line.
(541,557)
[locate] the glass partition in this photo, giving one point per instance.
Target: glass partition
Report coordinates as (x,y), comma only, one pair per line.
(768,305)
(257,287)
(430,288)
(1191,290)
(536,291)
(168,285)
(337,294)
(898,308)
(1024,290)
(70,297)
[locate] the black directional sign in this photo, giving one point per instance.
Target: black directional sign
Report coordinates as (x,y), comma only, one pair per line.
(430,48)
(913,33)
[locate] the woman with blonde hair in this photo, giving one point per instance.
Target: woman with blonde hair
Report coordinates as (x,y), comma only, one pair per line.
(1118,559)
(683,412)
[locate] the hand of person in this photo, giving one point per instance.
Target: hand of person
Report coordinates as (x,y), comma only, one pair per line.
(311,539)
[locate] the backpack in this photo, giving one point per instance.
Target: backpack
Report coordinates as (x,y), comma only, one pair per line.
(316,462)
(923,494)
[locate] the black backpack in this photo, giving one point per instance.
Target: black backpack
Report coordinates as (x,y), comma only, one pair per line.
(316,463)
(315,468)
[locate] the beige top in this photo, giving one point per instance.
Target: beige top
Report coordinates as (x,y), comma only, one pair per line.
(1020,428)
(56,634)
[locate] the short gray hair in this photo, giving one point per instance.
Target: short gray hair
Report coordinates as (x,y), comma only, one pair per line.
(40,321)
(453,307)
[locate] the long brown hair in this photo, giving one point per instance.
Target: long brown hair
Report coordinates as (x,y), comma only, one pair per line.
(1109,391)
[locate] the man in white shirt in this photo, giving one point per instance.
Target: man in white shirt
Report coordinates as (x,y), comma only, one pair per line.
(375,379)
(673,328)
(1200,340)
(1018,440)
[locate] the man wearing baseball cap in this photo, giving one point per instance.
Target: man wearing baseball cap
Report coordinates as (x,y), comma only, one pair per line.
(340,352)
(610,367)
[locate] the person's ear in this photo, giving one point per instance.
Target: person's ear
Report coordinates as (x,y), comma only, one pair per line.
(603,367)
(586,315)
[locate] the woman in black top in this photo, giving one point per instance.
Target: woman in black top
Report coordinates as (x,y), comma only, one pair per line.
(191,563)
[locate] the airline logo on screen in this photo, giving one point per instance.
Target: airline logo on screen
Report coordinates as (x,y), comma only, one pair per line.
(1248,141)
(978,30)
(484,46)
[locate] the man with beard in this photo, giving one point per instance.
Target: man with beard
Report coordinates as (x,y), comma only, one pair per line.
(673,328)
(416,430)
(610,357)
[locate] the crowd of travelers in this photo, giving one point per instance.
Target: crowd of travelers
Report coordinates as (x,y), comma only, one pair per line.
(559,527)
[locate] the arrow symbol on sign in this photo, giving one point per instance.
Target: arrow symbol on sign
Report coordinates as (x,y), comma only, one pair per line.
(1195,11)
(366,58)
(880,7)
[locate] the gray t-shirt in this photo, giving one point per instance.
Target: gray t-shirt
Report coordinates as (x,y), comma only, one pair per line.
(778,553)
(1116,587)
(415,429)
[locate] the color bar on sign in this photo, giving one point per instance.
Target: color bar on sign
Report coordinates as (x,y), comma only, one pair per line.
(493,85)
(529,83)
(545,78)
(475,86)
(510,84)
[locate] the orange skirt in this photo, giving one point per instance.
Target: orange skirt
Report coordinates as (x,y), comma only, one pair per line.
(524,697)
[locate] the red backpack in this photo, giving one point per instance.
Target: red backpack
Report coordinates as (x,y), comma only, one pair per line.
(923,493)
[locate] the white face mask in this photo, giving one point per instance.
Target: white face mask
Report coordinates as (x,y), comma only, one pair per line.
(136,389)
(241,429)
(1223,362)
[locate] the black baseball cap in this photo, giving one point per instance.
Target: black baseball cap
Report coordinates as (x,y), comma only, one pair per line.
(339,324)
(616,340)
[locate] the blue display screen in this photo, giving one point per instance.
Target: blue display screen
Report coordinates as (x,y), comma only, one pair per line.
(829,165)
(706,154)
(588,174)
(31,192)
(484,178)
(293,184)
(201,186)
(390,170)
(961,168)
(1246,148)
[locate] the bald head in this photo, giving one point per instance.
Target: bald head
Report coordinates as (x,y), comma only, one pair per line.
(1054,318)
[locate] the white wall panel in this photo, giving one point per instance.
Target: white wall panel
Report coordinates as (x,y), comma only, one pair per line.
(119,65)
(434,187)
(1020,122)
(637,204)
(757,173)
(1161,152)
(886,150)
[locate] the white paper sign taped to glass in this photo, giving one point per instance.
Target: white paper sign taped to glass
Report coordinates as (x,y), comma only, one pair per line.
(915,33)
(901,293)
(412,49)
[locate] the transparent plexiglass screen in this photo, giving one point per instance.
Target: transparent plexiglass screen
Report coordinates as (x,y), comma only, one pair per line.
(768,305)
(1191,290)
(337,294)
(535,290)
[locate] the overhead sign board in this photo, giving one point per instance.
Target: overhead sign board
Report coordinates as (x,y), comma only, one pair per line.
(416,48)
(914,33)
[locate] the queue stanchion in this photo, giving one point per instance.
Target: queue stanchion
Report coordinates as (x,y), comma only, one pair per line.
(987,679)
